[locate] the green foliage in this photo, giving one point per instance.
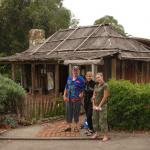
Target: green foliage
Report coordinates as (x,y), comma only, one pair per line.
(111,20)
(13,34)
(5,70)
(129,105)
(17,17)
(9,121)
(11,95)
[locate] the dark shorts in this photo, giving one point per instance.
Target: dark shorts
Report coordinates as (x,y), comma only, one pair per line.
(73,111)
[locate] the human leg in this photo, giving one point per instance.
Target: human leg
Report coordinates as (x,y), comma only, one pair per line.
(95,120)
(69,115)
(76,113)
(103,123)
(89,117)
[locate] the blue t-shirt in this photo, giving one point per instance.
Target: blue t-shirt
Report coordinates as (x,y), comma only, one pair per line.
(74,88)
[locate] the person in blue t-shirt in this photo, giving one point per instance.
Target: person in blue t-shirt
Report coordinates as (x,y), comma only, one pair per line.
(73,95)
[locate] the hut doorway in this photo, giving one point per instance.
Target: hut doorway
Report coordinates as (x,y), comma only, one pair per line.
(63,75)
(84,69)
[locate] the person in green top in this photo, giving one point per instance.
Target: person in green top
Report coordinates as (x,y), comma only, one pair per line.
(100,96)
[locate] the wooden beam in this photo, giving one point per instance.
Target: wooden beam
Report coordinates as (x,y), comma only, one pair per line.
(52,62)
(123,70)
(70,69)
(23,76)
(85,51)
(13,69)
(57,79)
(142,73)
(136,72)
(113,68)
(148,72)
(83,62)
(106,70)
(94,70)
(33,77)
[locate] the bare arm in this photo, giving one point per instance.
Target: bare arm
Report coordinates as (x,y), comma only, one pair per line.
(65,95)
(65,92)
(81,94)
(93,98)
(104,99)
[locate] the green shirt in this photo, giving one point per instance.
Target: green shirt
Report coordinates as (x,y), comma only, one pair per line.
(99,92)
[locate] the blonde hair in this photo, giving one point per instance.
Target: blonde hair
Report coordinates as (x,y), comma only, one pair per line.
(99,74)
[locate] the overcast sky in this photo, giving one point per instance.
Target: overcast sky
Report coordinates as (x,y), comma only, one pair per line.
(134,15)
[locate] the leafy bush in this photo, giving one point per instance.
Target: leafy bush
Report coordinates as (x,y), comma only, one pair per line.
(129,105)
(11,95)
(5,70)
(9,121)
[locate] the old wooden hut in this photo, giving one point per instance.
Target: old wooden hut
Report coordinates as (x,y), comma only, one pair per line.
(45,67)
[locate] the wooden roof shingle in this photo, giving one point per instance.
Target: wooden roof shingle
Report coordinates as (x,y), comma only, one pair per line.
(86,43)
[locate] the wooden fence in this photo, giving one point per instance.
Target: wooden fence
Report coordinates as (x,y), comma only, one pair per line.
(42,106)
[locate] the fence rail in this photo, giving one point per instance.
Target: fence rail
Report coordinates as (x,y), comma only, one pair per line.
(41,106)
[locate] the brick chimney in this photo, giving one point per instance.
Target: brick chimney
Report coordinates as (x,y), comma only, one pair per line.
(36,37)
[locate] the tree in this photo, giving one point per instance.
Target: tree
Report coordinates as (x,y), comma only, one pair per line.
(74,22)
(49,15)
(112,21)
(12,35)
(17,17)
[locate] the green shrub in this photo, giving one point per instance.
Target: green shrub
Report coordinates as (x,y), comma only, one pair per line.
(11,95)
(9,121)
(129,105)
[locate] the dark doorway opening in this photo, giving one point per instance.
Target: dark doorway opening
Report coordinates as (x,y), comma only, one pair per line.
(63,75)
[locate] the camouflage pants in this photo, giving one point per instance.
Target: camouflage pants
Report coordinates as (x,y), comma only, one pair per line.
(100,120)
